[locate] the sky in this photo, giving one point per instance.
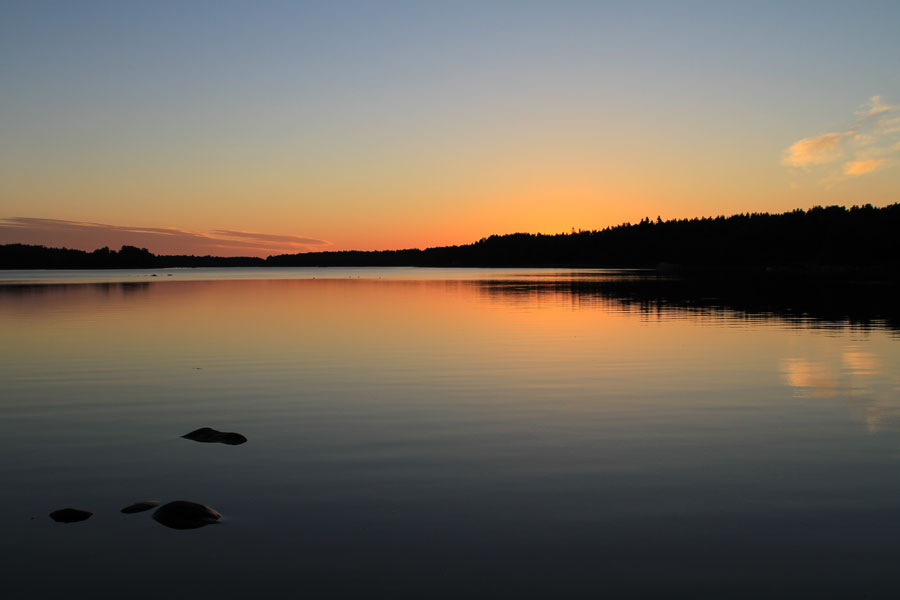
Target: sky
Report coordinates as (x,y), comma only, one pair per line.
(257,128)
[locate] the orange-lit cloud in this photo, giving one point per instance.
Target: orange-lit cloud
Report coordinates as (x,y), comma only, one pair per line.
(860,167)
(160,240)
(867,145)
(814,150)
(862,139)
(875,107)
(890,125)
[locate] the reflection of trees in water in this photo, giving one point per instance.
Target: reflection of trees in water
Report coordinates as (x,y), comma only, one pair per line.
(37,297)
(61,289)
(854,374)
(802,301)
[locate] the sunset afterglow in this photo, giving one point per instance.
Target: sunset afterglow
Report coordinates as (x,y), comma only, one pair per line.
(223,128)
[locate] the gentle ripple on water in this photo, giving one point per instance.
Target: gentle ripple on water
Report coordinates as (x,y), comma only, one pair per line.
(531,433)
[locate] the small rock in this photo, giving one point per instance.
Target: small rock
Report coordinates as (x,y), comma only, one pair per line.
(209,435)
(182,514)
(140,506)
(70,515)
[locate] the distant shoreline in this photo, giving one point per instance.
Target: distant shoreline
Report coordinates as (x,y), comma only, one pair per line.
(822,296)
(834,240)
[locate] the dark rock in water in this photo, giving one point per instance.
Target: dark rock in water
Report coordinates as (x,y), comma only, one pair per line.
(140,506)
(70,515)
(210,435)
(182,514)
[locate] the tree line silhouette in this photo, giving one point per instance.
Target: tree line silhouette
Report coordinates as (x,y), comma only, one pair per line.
(22,256)
(833,236)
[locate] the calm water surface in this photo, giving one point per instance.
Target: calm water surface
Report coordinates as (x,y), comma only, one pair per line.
(441,433)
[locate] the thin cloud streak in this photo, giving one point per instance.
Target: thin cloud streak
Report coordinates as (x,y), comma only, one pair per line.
(292,239)
(160,240)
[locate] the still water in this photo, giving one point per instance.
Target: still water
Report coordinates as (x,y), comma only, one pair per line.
(441,433)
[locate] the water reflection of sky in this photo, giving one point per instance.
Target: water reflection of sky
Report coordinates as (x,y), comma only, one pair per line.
(529,434)
(860,377)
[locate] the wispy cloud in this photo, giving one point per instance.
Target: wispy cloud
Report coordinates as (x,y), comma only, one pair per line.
(161,240)
(890,125)
(864,147)
(268,237)
(814,150)
(875,107)
(863,139)
(860,167)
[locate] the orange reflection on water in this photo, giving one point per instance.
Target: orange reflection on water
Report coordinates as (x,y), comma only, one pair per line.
(810,378)
(501,335)
(857,362)
(856,375)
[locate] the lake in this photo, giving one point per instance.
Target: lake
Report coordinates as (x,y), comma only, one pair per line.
(441,433)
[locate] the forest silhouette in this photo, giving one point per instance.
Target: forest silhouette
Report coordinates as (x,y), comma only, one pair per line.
(860,238)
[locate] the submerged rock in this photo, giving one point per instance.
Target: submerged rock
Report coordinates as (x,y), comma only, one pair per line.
(182,514)
(70,515)
(140,506)
(210,435)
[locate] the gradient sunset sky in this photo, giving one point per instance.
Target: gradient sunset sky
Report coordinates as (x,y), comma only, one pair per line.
(255,128)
